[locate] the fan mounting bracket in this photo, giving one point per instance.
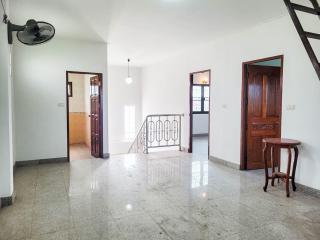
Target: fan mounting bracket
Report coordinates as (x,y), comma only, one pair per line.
(13,28)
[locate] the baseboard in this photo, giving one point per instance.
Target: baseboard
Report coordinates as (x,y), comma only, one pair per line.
(7,201)
(106,155)
(14,168)
(224,162)
(40,161)
(200,135)
(308,190)
(184,149)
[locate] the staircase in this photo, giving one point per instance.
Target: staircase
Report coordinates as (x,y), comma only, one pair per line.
(305,36)
(158,131)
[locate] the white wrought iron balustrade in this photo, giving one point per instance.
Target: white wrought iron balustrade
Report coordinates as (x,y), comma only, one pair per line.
(158,131)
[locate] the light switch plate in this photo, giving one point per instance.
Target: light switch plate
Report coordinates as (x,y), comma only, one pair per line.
(291,107)
(61,105)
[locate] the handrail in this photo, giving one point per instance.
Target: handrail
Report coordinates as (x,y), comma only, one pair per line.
(158,130)
(304,36)
(165,115)
(136,140)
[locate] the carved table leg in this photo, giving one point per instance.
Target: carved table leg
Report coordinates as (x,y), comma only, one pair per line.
(265,166)
(288,172)
(279,161)
(272,164)
(296,154)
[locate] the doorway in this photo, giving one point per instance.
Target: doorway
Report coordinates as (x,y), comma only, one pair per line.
(84,115)
(261,108)
(199,112)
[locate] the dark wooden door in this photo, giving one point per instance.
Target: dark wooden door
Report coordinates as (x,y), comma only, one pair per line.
(263,111)
(95,85)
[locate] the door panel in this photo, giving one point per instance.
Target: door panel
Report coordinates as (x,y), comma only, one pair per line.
(263,111)
(95,85)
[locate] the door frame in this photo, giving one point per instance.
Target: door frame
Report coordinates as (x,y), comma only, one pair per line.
(244,96)
(190,149)
(100,76)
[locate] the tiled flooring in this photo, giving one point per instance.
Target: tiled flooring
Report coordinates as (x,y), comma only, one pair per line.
(200,146)
(165,196)
(79,152)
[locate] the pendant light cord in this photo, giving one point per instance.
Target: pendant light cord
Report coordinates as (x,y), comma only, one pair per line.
(5,16)
(128,65)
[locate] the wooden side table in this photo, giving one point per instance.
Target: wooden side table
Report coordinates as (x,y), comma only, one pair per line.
(288,144)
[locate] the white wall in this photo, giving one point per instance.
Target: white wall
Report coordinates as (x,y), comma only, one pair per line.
(77,101)
(120,95)
(166,90)
(6,118)
(40,94)
(200,124)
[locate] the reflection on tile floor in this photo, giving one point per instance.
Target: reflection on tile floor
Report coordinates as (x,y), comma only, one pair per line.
(80,152)
(200,145)
(159,196)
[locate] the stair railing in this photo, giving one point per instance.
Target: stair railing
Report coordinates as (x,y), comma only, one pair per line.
(304,35)
(139,143)
(158,130)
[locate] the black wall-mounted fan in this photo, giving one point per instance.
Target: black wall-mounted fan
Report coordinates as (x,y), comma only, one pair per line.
(32,33)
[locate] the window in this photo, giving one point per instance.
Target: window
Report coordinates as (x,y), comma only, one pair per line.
(94,90)
(200,98)
(70,90)
(197,98)
(129,122)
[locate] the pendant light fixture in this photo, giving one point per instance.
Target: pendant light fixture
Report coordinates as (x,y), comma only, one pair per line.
(129,78)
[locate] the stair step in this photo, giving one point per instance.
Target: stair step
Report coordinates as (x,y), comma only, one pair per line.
(305,9)
(313,35)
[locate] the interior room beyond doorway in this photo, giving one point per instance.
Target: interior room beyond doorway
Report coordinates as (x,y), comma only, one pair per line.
(82,94)
(200,112)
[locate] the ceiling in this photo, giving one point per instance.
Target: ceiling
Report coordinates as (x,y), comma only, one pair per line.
(147,30)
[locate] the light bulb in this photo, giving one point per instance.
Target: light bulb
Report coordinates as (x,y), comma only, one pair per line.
(129,80)
(129,207)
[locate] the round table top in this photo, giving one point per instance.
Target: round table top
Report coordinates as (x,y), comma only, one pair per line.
(281,141)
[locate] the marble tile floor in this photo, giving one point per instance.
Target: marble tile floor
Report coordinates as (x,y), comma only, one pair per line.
(79,152)
(200,145)
(170,196)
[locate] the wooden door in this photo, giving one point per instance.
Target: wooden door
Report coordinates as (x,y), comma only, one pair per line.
(95,85)
(263,111)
